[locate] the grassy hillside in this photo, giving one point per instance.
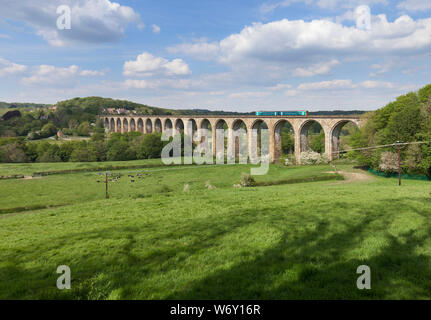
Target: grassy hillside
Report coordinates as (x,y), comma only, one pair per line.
(152,240)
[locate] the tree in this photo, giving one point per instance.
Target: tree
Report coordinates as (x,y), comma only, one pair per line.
(287,142)
(84,129)
(101,150)
(83,154)
(389,162)
(317,142)
(118,151)
(413,158)
(425,93)
(66,150)
(152,146)
(49,157)
(48,130)
(405,123)
(12,153)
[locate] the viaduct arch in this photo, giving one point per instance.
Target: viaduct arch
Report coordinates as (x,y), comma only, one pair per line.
(331,125)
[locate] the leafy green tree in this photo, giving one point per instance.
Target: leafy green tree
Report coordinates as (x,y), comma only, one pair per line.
(317,142)
(83,153)
(12,153)
(101,150)
(49,130)
(84,129)
(405,122)
(287,142)
(118,151)
(424,93)
(66,150)
(152,146)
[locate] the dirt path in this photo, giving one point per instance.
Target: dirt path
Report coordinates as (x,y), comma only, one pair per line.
(353,176)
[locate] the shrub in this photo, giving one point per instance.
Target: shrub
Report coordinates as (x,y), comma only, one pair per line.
(389,162)
(247,180)
(311,157)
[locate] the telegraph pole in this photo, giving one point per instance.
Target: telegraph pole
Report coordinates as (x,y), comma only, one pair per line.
(106,184)
(399,163)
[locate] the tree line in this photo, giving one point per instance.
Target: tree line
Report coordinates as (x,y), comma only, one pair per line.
(407,119)
(116,147)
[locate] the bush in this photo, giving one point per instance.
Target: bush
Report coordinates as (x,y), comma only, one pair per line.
(247,180)
(389,162)
(311,157)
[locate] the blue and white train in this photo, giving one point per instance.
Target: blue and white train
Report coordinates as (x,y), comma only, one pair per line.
(282,113)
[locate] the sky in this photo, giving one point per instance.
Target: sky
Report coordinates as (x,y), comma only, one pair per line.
(232,55)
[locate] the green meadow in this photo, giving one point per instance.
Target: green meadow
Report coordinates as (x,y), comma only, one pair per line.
(154,238)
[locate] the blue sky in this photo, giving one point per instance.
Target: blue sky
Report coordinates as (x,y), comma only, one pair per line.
(219,55)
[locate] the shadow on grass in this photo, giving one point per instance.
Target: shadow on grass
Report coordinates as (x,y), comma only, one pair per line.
(313,264)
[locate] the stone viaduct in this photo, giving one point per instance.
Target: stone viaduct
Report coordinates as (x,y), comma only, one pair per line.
(331,125)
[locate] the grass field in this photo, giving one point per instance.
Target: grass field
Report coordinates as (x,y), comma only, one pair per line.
(29,169)
(152,240)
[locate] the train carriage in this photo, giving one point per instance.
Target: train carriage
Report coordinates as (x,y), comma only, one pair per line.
(282,113)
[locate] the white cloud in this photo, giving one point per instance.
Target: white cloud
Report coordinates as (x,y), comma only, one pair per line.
(326,4)
(156,28)
(92,73)
(369,84)
(10,68)
(181,84)
(333,84)
(334,4)
(316,69)
(280,86)
(148,65)
(48,74)
(138,84)
(95,21)
(381,68)
(249,94)
(298,41)
(200,49)
(342,84)
(271,6)
(414,5)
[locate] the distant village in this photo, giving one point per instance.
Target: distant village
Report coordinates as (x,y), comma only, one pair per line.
(116,111)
